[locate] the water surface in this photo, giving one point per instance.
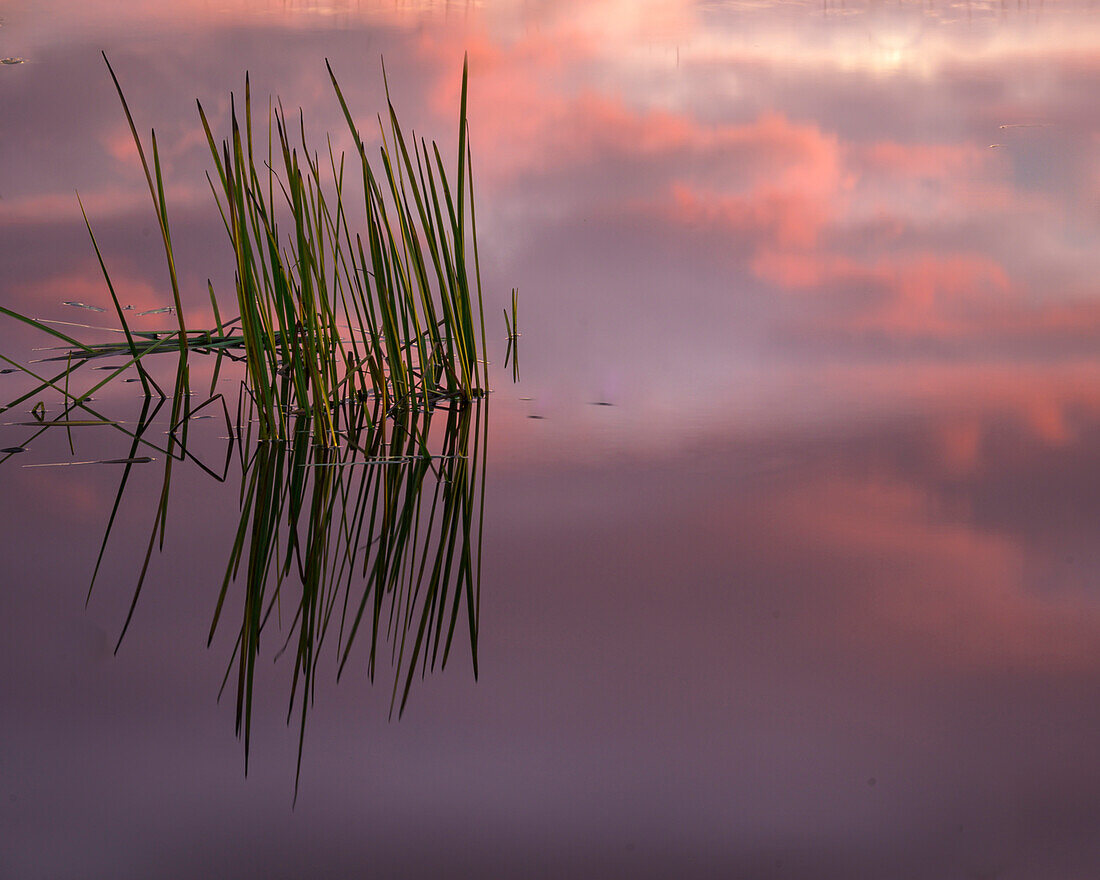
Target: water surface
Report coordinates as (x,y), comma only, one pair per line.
(815,597)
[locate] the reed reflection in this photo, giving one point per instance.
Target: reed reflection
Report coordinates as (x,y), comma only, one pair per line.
(371,547)
(383,536)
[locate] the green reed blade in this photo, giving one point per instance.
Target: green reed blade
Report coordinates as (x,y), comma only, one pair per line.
(114,299)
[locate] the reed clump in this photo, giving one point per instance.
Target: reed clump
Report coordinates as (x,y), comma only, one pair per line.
(350,341)
(392,313)
(407,290)
(384,537)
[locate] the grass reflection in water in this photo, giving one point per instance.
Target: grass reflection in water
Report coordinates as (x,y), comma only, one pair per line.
(371,547)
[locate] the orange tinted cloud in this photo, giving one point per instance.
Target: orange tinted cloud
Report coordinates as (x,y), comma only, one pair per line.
(925,295)
(919,290)
(1047,399)
(803,269)
(924,160)
(936,294)
(960,444)
(787,219)
(528,116)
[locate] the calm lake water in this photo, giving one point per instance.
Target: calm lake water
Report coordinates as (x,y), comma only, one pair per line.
(816,596)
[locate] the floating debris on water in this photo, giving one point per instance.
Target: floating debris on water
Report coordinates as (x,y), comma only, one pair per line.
(62,423)
(141,460)
(80,305)
(372,462)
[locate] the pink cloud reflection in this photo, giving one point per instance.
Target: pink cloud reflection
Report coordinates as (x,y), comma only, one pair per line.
(955,593)
(798,190)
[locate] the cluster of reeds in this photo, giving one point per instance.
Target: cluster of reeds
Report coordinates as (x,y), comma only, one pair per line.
(404,291)
(351,343)
(325,315)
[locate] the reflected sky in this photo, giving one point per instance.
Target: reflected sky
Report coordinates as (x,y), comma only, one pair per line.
(815,598)
(764,210)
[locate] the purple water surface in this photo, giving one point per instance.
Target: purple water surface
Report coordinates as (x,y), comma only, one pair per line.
(815,598)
